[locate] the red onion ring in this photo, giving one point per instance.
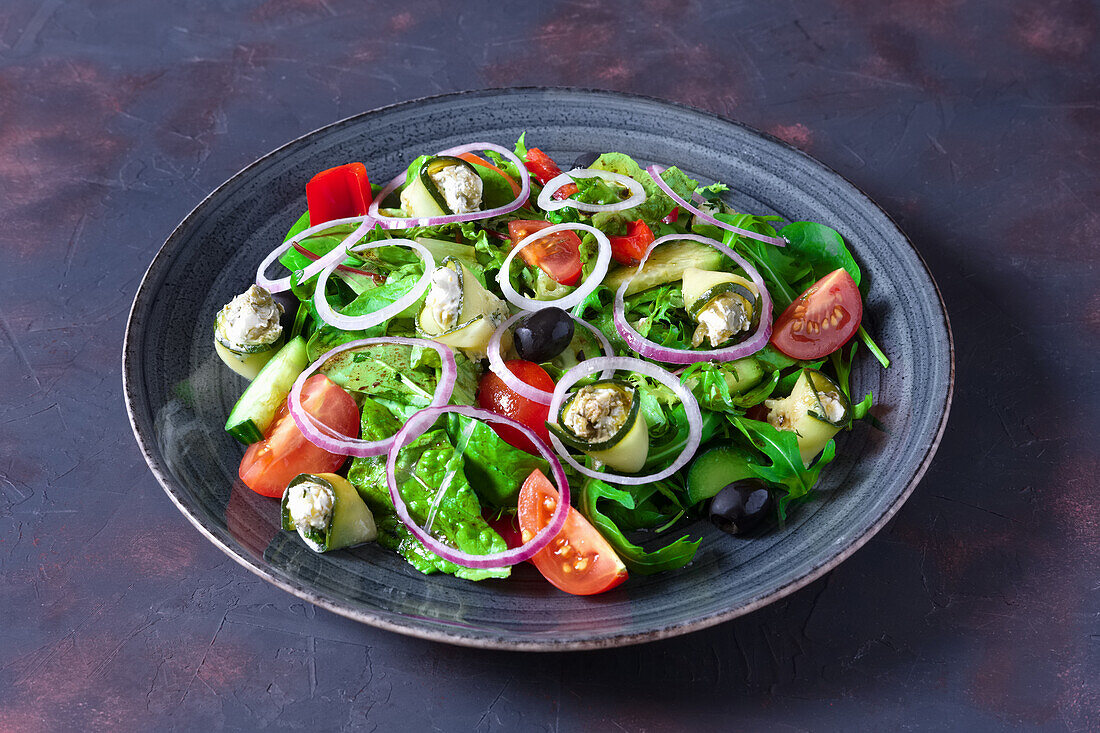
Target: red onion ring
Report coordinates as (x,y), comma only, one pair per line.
(337,253)
(323,436)
(404,222)
(603,260)
(354,323)
(655,173)
(691,408)
(378,279)
(417,426)
(517,385)
(547,203)
(655,351)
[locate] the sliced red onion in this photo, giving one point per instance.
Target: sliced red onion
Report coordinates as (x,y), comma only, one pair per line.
(652,350)
(655,172)
(405,222)
(323,436)
(415,427)
(603,259)
(336,255)
(626,363)
(354,323)
(517,385)
(547,203)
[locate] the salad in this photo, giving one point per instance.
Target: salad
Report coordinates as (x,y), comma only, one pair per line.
(488,361)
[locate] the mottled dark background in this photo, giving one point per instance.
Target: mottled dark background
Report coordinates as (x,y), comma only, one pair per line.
(975,123)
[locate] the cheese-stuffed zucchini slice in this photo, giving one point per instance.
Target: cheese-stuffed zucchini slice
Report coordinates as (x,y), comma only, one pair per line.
(726,306)
(815,411)
(604,420)
(441,185)
(247,332)
(460,312)
(327,512)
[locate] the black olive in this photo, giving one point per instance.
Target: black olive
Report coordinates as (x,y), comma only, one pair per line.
(584,160)
(741,506)
(543,335)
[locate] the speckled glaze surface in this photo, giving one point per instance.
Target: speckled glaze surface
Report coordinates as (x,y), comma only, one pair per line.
(179,393)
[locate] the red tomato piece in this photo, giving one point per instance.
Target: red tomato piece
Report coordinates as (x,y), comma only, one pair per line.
(493,394)
(558,255)
(672,216)
(338,193)
(629,249)
(268,466)
(578,560)
(543,168)
(821,320)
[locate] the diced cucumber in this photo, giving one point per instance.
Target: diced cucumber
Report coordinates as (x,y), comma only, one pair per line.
(714,469)
(252,414)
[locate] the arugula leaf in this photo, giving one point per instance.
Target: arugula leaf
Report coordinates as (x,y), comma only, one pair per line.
(637,559)
(780,447)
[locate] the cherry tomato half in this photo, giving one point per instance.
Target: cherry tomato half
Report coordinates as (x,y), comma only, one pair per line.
(578,560)
(821,320)
(268,466)
(630,248)
(558,255)
(493,394)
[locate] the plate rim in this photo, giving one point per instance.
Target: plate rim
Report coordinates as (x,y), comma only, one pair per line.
(131,377)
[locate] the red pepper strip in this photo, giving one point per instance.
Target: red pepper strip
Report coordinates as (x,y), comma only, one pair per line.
(629,249)
(476,160)
(543,168)
(378,279)
(338,193)
(672,216)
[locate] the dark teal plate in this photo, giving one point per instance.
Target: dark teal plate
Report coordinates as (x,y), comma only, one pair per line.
(178,392)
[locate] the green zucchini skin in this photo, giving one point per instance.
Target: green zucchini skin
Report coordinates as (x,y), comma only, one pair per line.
(806,416)
(351,522)
(254,411)
(626,450)
(714,469)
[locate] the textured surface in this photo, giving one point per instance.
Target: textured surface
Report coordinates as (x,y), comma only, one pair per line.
(181,393)
(973,123)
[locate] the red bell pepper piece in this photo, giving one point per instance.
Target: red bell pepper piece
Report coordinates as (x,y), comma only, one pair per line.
(338,193)
(629,249)
(543,168)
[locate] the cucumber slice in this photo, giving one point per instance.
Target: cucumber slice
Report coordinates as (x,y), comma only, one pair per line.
(252,414)
(714,469)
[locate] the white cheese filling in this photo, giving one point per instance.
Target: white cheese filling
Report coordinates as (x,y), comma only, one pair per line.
(310,505)
(445,297)
(249,320)
(597,413)
(460,187)
(720,319)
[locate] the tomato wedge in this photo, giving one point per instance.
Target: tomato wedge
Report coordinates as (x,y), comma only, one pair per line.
(338,193)
(821,320)
(578,560)
(629,249)
(268,466)
(493,394)
(558,255)
(543,168)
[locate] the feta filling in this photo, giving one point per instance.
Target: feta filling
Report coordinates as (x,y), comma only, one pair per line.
(830,402)
(721,319)
(445,297)
(460,187)
(596,413)
(310,505)
(250,320)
